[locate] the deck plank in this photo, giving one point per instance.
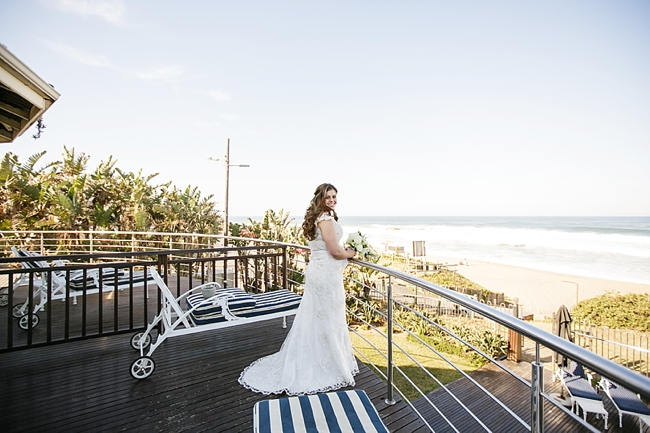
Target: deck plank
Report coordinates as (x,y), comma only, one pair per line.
(516,396)
(85,385)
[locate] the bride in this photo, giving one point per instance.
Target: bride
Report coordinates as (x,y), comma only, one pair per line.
(317,354)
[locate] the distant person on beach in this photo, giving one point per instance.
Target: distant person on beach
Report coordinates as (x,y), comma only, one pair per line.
(317,354)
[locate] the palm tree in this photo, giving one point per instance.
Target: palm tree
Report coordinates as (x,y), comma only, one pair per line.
(62,195)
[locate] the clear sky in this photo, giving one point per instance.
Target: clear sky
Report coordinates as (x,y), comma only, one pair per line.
(408,107)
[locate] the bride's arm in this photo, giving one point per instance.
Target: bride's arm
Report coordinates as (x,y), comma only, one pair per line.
(329,236)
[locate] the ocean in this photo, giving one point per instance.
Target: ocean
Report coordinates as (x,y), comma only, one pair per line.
(615,248)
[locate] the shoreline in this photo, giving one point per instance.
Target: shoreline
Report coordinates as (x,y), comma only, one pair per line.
(540,292)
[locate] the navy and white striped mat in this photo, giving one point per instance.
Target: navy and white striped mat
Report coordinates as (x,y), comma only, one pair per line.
(343,411)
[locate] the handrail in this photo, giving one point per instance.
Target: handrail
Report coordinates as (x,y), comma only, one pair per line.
(611,370)
(135,253)
(115,232)
(110,232)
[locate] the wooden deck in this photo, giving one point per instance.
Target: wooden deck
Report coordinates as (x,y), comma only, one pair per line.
(516,396)
(86,386)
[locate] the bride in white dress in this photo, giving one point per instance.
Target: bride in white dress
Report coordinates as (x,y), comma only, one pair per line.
(317,354)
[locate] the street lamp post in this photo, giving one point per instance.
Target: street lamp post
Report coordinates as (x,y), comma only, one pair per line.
(228,165)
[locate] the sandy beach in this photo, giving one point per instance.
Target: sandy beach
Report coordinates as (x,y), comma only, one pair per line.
(541,292)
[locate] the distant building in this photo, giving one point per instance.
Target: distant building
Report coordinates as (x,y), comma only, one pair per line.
(24,96)
(419,249)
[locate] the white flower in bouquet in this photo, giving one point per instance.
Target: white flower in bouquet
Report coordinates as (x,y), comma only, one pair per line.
(355,239)
(360,244)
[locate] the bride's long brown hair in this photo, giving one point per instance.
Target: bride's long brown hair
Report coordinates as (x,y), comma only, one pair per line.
(316,208)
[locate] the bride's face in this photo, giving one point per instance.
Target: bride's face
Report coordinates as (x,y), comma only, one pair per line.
(330,199)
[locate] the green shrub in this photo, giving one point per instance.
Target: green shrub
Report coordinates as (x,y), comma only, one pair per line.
(364,310)
(446,278)
(489,342)
(613,310)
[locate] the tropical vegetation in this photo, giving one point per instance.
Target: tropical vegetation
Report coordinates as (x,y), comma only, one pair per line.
(630,311)
(65,195)
(280,227)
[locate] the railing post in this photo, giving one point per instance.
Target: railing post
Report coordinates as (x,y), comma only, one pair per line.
(225,269)
(90,238)
(536,389)
(389,366)
(163,262)
(42,245)
(284,268)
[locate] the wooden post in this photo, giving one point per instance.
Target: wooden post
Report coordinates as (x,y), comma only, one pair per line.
(514,346)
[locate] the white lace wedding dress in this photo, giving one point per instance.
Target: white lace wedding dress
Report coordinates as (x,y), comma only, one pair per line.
(317,354)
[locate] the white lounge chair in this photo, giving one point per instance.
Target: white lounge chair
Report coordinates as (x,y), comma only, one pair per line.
(582,395)
(342,411)
(59,285)
(626,402)
(227,307)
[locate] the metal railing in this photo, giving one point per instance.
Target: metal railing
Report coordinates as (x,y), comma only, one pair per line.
(98,241)
(293,271)
(597,364)
(538,396)
(113,289)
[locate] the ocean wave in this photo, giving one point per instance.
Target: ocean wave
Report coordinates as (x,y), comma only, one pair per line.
(613,253)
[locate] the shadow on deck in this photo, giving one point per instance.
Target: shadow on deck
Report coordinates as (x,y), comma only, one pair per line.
(86,385)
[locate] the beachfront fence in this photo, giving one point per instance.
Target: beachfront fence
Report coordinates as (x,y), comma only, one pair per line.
(623,346)
(434,305)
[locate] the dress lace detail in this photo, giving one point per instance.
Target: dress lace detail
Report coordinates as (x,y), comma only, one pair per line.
(324,217)
(317,354)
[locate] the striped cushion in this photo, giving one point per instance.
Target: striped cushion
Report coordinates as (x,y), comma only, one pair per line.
(627,400)
(123,277)
(265,303)
(77,280)
(108,279)
(343,411)
(579,387)
(240,301)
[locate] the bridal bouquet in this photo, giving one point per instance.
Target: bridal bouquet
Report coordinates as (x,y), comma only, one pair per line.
(360,244)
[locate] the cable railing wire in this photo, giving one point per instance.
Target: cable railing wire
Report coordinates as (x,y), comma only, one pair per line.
(444,358)
(427,372)
(404,398)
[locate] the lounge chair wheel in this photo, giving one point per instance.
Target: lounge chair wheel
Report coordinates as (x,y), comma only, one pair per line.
(142,367)
(17,311)
(136,341)
(4,299)
(23,322)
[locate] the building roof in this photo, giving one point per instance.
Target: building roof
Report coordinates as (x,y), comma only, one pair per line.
(24,96)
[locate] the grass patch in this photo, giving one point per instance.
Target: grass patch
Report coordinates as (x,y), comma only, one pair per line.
(432,362)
